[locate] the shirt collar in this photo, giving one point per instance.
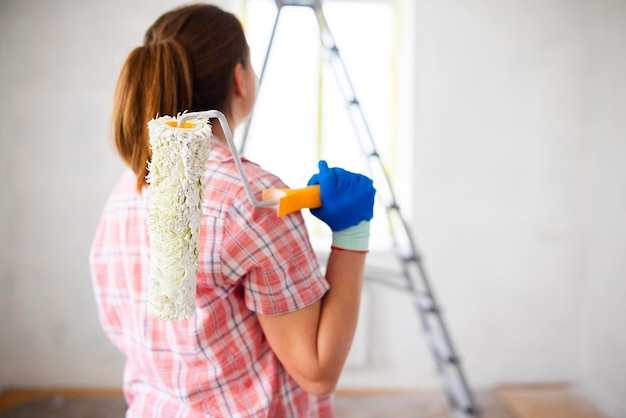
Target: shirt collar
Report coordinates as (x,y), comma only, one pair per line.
(219,151)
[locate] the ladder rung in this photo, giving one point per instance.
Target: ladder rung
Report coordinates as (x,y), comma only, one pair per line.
(441,346)
(426,302)
(393,206)
(332,49)
(408,256)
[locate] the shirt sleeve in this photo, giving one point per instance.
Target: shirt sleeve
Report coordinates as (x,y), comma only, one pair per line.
(273,258)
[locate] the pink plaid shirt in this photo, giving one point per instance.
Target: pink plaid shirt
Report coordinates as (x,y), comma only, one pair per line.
(218,363)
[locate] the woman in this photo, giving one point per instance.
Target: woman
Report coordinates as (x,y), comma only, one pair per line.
(271,333)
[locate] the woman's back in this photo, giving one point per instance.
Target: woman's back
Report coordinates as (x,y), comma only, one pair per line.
(200,365)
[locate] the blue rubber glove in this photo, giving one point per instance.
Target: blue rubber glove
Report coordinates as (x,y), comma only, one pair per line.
(347,198)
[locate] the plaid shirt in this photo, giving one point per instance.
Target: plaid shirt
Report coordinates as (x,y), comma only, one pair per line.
(218,363)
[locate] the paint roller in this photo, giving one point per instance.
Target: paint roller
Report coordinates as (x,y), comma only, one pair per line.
(180,149)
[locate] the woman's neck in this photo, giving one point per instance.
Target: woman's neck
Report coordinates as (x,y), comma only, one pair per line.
(218,131)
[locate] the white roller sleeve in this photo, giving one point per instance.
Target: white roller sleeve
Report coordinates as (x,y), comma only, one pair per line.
(176,184)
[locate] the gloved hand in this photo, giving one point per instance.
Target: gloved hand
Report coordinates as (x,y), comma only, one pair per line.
(347,198)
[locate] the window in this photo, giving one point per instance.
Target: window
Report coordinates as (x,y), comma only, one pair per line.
(301,115)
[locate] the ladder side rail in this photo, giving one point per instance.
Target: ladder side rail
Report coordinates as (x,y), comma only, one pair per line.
(351,99)
(391,204)
(349,93)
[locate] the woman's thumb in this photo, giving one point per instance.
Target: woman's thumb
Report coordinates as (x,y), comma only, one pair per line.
(322,165)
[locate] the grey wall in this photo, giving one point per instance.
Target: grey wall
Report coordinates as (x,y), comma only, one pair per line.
(519,181)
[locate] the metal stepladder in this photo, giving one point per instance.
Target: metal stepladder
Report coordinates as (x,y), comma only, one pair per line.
(461,400)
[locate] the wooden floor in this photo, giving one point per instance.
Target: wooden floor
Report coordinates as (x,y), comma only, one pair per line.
(529,401)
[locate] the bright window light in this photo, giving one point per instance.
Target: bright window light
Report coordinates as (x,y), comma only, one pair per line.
(301,116)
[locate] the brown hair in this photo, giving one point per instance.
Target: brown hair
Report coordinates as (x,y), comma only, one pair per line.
(186,63)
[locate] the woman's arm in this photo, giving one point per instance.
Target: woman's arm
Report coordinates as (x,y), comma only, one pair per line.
(313,343)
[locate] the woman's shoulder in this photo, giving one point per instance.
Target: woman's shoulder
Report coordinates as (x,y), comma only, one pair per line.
(258,175)
(222,161)
(126,184)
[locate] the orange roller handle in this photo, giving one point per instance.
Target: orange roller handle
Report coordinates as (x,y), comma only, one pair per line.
(291,200)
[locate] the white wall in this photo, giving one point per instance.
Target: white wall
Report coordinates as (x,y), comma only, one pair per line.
(499,152)
(604,308)
(520,193)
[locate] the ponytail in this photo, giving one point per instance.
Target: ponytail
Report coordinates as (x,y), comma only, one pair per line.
(186,64)
(156,79)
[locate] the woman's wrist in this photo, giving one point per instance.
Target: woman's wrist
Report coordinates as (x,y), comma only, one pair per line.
(354,238)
